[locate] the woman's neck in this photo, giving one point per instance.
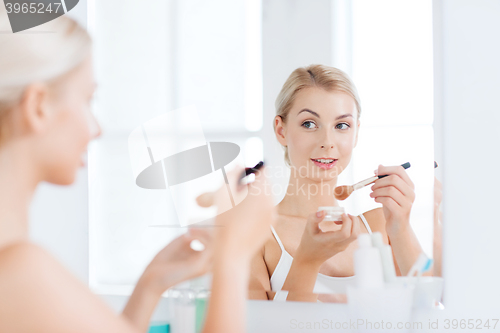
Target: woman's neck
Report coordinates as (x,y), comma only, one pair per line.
(304,196)
(18,182)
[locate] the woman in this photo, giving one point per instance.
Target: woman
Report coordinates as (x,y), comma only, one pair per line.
(46,84)
(317,122)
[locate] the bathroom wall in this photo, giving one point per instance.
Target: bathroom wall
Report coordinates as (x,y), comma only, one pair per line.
(467,93)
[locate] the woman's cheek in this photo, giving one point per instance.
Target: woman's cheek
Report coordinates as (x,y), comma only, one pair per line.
(301,147)
(345,149)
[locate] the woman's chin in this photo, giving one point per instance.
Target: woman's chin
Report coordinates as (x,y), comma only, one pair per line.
(63,178)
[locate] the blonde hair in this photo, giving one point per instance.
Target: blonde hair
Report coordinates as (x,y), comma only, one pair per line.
(36,56)
(320,76)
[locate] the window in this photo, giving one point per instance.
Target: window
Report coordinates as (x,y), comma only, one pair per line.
(392,68)
(152,58)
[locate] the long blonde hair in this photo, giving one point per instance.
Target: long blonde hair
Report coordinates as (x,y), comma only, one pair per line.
(36,56)
(320,76)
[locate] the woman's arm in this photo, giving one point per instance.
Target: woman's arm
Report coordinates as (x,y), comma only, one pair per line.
(141,305)
(227,304)
(177,262)
(240,233)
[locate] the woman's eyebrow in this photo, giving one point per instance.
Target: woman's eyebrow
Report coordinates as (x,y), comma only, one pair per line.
(307,110)
(344,116)
(317,115)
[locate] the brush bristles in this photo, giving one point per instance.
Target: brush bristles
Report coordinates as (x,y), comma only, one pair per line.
(343,192)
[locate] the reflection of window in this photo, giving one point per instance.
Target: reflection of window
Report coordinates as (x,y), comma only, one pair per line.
(150,60)
(392,69)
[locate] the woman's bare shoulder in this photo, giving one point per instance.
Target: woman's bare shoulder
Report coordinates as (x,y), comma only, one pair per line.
(22,255)
(37,286)
(376,219)
(27,265)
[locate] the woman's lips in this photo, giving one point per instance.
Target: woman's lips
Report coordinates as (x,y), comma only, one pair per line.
(326,166)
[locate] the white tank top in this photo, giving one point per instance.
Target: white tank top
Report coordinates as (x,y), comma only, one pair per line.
(324,284)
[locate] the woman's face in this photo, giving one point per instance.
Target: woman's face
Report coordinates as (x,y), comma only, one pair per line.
(320,131)
(70,125)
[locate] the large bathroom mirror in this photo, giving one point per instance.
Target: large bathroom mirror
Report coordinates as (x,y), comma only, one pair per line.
(230,60)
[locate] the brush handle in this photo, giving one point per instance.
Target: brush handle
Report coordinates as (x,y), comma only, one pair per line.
(371,180)
(249,171)
(365,182)
(404,165)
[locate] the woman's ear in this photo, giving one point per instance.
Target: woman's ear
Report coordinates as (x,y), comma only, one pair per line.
(33,109)
(279,130)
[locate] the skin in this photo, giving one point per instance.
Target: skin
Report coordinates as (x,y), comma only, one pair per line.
(331,130)
(437,245)
(48,132)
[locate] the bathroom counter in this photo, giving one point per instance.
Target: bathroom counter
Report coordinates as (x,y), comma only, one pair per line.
(277,317)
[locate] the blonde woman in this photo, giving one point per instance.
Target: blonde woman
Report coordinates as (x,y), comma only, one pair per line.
(317,122)
(46,84)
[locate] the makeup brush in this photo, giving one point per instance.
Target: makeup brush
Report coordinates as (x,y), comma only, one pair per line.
(249,171)
(206,199)
(343,192)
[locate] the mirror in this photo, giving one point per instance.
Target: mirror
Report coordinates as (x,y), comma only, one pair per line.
(231,60)
(386,48)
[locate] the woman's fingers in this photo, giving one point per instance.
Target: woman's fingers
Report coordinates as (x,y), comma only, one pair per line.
(398,170)
(314,220)
(387,202)
(355,231)
(237,190)
(257,187)
(346,230)
(234,175)
(205,199)
(204,235)
(390,192)
(397,182)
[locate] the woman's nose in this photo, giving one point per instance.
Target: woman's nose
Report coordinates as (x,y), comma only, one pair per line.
(323,146)
(95,128)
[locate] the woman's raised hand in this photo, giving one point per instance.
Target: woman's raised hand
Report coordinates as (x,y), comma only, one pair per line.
(178,262)
(396,193)
(243,229)
(317,246)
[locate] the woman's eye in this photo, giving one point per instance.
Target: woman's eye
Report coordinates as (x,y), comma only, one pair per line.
(342,126)
(309,124)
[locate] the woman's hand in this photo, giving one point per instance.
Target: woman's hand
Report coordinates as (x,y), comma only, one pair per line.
(396,193)
(317,246)
(178,262)
(240,232)
(243,229)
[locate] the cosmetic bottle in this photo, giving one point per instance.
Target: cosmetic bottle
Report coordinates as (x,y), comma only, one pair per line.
(388,268)
(332,213)
(370,299)
(183,308)
(367,264)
